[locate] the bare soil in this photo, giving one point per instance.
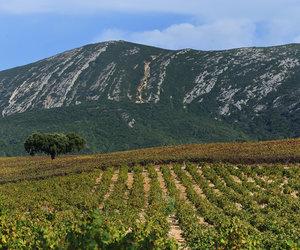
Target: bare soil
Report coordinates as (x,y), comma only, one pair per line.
(161,182)
(176,232)
(97,182)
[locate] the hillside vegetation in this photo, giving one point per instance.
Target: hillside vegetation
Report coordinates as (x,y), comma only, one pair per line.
(109,130)
(212,196)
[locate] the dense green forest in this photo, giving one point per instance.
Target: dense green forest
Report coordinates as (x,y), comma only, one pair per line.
(122,126)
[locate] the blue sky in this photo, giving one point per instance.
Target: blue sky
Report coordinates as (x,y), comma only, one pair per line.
(34,29)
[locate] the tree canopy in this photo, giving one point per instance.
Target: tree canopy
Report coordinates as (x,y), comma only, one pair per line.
(54,144)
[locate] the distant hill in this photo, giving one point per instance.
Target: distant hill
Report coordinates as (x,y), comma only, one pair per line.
(121,95)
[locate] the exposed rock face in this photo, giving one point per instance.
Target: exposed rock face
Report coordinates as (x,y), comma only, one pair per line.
(246,81)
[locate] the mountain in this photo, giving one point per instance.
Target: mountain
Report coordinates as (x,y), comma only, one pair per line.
(122,95)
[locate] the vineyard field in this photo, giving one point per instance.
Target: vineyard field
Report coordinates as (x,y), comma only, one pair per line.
(14,169)
(166,206)
(188,204)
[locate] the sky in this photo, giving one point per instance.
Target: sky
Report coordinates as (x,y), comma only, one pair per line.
(35,29)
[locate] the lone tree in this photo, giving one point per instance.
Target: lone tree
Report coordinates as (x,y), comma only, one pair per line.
(54,144)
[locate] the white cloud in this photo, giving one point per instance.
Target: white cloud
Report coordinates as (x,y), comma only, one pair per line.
(217,35)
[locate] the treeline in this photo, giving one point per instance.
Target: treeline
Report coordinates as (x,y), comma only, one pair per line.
(54,144)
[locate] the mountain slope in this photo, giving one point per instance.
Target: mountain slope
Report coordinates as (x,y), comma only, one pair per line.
(113,126)
(153,96)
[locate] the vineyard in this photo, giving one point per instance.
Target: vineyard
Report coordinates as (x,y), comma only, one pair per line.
(185,204)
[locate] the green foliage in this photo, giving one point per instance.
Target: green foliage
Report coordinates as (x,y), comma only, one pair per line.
(103,126)
(74,142)
(106,130)
(53,144)
(100,232)
(64,212)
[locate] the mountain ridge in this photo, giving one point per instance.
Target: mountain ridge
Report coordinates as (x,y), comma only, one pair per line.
(253,92)
(100,48)
(152,46)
